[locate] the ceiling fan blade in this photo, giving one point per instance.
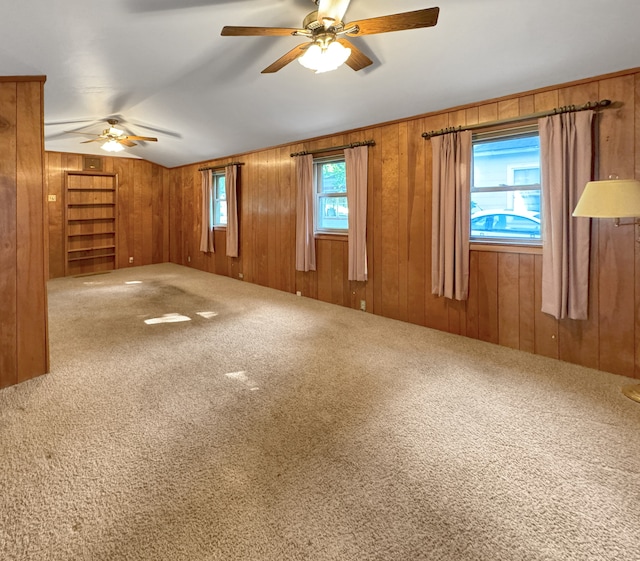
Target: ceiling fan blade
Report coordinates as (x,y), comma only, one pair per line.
(357,60)
(82,133)
(292,55)
(145,138)
(396,22)
(331,12)
(126,142)
(92,140)
(235,31)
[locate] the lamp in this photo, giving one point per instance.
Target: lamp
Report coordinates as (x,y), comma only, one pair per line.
(324,55)
(112,146)
(612,198)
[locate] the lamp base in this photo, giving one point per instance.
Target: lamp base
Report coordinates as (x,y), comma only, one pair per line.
(632,392)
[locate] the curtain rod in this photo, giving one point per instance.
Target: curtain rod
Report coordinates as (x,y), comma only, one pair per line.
(222,167)
(556,111)
(332,148)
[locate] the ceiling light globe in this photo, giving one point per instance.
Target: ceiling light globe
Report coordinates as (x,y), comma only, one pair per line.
(112,146)
(312,57)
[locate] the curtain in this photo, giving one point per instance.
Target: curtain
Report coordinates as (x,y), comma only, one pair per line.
(206,231)
(305,241)
(356,162)
(450,213)
(230,181)
(565,169)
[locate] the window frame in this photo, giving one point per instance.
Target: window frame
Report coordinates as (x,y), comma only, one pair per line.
(216,176)
(493,136)
(319,195)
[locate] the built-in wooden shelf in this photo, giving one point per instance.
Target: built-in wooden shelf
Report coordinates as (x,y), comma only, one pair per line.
(89,196)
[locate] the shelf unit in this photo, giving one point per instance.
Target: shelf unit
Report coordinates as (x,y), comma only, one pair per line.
(91,219)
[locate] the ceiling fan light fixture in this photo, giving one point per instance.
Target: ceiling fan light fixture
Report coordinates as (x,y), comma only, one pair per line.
(325,59)
(115,132)
(112,146)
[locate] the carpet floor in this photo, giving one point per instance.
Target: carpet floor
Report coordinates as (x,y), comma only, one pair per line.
(192,417)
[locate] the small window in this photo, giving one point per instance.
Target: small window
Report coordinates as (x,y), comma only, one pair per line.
(219,199)
(505,187)
(332,211)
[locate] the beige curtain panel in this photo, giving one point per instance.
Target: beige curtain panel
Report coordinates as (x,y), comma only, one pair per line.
(356,162)
(206,231)
(566,149)
(230,181)
(305,241)
(450,213)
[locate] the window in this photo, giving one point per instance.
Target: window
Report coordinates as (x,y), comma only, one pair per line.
(332,211)
(505,187)
(218,199)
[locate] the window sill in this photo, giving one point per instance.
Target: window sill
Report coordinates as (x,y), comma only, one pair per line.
(506,247)
(223,228)
(334,237)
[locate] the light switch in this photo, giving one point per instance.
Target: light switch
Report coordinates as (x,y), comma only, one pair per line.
(51,198)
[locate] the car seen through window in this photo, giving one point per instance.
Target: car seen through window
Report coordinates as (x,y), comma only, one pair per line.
(505,224)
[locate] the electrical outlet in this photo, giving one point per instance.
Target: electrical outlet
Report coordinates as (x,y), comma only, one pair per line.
(188,258)
(298,293)
(130,259)
(52,198)
(240,275)
(363,305)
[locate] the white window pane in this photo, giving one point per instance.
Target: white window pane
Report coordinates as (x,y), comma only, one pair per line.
(500,211)
(506,162)
(333,213)
(333,177)
(221,190)
(221,212)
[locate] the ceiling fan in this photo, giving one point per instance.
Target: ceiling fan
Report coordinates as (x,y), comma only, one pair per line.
(116,139)
(328,47)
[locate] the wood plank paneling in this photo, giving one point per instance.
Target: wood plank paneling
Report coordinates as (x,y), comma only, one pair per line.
(24,350)
(526,282)
(617,245)
(505,287)
(509,300)
(488,296)
(8,235)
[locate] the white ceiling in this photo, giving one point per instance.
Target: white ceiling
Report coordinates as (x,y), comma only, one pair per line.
(164,69)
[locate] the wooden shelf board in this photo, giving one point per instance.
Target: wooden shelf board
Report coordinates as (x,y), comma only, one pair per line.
(91,219)
(110,233)
(90,257)
(76,205)
(92,248)
(89,189)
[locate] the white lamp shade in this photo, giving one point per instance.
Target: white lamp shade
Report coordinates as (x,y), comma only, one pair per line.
(112,146)
(611,198)
(325,60)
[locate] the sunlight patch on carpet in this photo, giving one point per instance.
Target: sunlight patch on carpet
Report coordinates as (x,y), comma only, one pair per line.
(167,318)
(207,315)
(243,378)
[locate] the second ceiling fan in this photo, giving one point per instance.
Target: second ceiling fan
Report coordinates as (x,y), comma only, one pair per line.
(328,47)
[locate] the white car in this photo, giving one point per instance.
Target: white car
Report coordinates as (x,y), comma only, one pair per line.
(505,224)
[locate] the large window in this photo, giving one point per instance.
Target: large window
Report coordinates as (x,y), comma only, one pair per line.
(332,212)
(505,187)
(218,199)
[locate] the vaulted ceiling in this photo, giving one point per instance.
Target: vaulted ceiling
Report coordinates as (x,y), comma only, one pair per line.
(162,68)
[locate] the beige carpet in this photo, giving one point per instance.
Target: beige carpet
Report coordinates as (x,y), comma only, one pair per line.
(272,428)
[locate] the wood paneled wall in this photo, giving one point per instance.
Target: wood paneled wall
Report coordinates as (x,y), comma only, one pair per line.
(24,350)
(504,302)
(143,209)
